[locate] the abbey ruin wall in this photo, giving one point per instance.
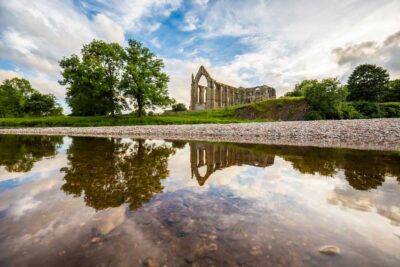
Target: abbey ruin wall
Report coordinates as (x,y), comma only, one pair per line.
(219,95)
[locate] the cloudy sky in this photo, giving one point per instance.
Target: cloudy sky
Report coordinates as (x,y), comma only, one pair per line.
(274,42)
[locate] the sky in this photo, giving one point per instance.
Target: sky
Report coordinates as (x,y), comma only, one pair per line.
(241,43)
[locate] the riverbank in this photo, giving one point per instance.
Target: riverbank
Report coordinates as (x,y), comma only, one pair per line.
(376,134)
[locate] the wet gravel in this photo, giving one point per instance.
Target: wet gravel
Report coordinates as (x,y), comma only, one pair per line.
(379,134)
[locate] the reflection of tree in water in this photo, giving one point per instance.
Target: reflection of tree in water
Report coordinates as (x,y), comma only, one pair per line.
(364,170)
(110,172)
(18,153)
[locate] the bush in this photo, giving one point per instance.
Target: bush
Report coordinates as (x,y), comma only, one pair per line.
(179,107)
(391,109)
(348,111)
(393,91)
(313,115)
(369,109)
(300,88)
(325,98)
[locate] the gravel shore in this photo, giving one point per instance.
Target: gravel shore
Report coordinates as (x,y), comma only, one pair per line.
(377,134)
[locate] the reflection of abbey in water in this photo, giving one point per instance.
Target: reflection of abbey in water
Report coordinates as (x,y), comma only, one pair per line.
(219,156)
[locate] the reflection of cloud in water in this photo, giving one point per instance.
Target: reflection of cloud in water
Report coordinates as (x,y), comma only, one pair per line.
(384,201)
(55,225)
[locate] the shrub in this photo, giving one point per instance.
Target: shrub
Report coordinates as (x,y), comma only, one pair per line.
(313,115)
(391,109)
(393,91)
(300,88)
(325,97)
(348,111)
(369,109)
(179,107)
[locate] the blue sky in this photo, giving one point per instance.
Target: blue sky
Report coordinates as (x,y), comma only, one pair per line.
(242,43)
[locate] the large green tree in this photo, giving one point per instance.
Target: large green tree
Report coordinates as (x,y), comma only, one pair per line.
(18,98)
(144,82)
(368,83)
(93,82)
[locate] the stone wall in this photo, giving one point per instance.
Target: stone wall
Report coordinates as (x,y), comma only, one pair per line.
(219,95)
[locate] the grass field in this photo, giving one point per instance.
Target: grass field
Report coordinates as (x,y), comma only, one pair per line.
(235,114)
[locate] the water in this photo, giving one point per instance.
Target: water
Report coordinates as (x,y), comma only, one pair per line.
(122,202)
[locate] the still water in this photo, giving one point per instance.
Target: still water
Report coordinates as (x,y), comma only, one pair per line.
(122,202)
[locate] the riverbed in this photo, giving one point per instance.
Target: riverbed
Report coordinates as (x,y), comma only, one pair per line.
(107,201)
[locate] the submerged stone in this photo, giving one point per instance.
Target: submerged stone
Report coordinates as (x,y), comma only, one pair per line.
(329,250)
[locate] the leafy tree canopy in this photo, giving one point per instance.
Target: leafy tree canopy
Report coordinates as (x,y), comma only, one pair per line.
(368,82)
(18,98)
(143,81)
(107,78)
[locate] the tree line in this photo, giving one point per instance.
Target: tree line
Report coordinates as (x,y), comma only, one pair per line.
(106,79)
(18,99)
(367,87)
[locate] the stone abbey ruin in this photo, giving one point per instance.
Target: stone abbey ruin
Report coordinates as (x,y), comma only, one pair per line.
(219,95)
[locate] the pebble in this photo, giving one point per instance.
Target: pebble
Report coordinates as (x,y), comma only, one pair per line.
(380,134)
(149,262)
(95,239)
(329,250)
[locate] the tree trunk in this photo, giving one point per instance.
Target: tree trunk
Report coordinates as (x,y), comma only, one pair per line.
(140,107)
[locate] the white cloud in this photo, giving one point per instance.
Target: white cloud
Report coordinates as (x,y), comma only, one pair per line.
(35,35)
(385,54)
(293,40)
(190,23)
(287,41)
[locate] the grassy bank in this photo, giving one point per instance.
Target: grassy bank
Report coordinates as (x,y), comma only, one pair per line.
(270,110)
(280,109)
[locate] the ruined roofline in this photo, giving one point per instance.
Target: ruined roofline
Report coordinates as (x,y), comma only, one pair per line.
(218,95)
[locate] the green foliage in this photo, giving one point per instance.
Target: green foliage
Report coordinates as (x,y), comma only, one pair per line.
(369,109)
(42,105)
(391,109)
(18,99)
(368,83)
(393,91)
(109,76)
(93,83)
(348,111)
(325,98)
(179,107)
(143,80)
(300,88)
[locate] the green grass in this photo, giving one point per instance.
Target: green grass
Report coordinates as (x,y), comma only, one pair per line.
(185,118)
(226,115)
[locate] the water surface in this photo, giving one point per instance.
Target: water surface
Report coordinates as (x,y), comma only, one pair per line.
(122,202)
